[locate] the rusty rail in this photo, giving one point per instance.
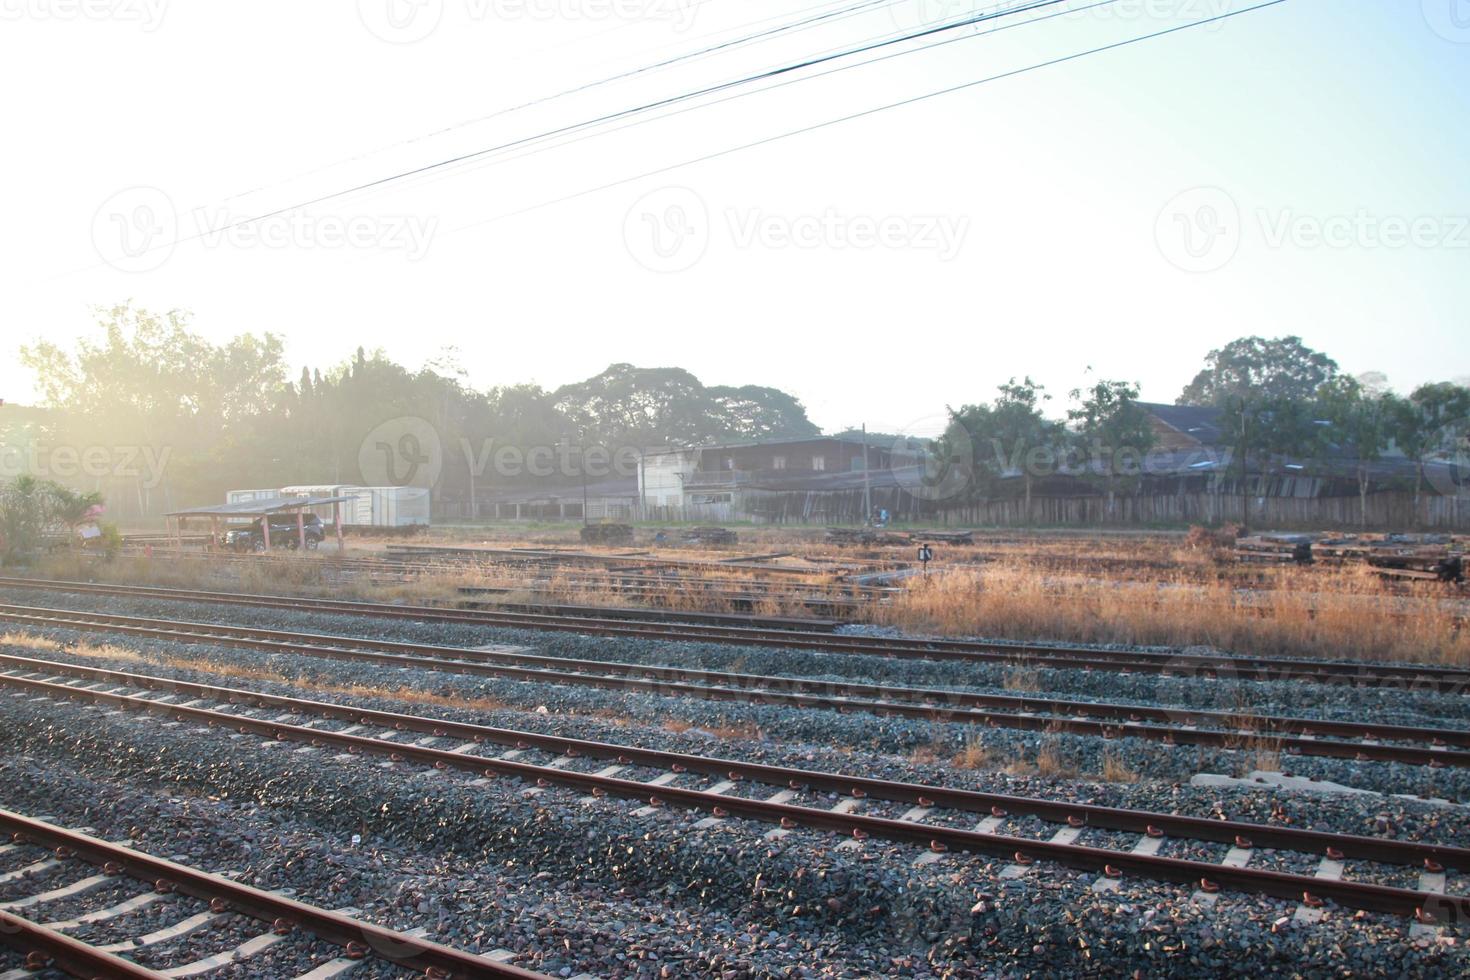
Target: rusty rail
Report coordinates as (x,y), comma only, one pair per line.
(1432,748)
(1426,906)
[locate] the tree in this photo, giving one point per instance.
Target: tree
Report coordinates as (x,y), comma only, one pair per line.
(627,405)
(33,509)
(1256,368)
(1011,436)
(1261,426)
(1359,426)
(1112,432)
(1426,424)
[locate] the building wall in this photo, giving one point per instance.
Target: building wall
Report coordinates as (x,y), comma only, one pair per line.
(661,478)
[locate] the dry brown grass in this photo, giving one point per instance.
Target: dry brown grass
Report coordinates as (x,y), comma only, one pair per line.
(28,642)
(1051,762)
(1115,770)
(973,756)
(1309,612)
(676,725)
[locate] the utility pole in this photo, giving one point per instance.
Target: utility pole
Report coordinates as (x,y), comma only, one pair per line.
(583,468)
(867,488)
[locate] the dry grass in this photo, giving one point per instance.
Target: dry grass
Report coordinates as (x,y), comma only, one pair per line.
(677,725)
(27,642)
(973,756)
(1308,612)
(1086,586)
(1115,770)
(1051,762)
(1022,680)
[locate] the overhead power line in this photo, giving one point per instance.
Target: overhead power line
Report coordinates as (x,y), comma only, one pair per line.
(625,113)
(1100,49)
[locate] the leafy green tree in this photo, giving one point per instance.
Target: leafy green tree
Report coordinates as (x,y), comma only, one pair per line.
(1258,369)
(1427,423)
(1111,431)
(31,510)
(1011,436)
(1360,427)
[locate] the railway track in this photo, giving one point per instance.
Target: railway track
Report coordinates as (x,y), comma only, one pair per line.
(47,946)
(733,788)
(1414,676)
(1435,747)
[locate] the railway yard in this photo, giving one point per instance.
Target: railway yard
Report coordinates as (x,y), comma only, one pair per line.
(535,759)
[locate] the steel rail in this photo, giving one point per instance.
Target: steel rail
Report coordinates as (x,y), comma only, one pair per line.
(1109,818)
(757,684)
(47,949)
(962,708)
(1292,887)
(278,910)
(1432,678)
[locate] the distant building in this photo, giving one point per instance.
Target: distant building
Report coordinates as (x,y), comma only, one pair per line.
(719,482)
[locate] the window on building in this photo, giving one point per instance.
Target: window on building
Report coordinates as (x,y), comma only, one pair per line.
(778,462)
(819,462)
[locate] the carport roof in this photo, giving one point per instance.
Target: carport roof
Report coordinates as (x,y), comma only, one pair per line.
(258,508)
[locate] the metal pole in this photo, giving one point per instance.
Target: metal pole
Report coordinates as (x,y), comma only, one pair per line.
(867,489)
(583,468)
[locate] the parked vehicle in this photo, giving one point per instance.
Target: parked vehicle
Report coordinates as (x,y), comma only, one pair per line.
(284,534)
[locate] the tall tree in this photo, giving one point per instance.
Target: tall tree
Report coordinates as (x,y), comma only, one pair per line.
(1256,369)
(1011,436)
(1427,423)
(1112,433)
(1359,427)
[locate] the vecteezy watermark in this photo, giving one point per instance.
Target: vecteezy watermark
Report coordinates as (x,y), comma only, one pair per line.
(1203,229)
(147,14)
(919,15)
(138,229)
(1210,14)
(401,452)
(1364,230)
(410,21)
(1199,230)
(670,229)
(942,234)
(1450,19)
(146,464)
(406,233)
(935,469)
(667,230)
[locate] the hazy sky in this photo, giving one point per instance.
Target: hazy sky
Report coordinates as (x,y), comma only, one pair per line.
(1298,169)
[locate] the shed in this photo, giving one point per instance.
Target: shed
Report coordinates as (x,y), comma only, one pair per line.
(262,511)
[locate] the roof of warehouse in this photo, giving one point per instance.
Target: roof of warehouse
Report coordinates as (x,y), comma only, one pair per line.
(258,508)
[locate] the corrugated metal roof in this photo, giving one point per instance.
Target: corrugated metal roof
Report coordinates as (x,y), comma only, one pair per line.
(258,508)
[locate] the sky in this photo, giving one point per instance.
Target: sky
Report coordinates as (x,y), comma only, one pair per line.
(1298,169)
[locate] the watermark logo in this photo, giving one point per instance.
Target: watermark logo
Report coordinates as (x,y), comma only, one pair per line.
(1203,229)
(1209,14)
(917,15)
(1447,469)
(401,452)
(136,229)
(942,469)
(400,21)
(147,14)
(411,21)
(139,228)
(1199,230)
(408,234)
(1364,230)
(667,230)
(144,464)
(670,230)
(1450,19)
(944,235)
